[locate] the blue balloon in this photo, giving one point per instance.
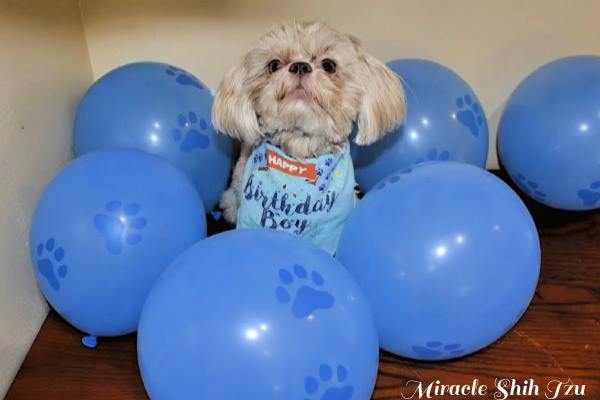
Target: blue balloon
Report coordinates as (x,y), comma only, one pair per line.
(444,121)
(104,229)
(162,110)
(549,134)
(275,313)
(448,257)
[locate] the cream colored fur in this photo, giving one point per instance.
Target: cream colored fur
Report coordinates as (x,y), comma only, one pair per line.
(305,115)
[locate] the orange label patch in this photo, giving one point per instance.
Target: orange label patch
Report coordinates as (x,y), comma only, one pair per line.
(291,167)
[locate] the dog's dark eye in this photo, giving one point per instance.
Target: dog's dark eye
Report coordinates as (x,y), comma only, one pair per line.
(274,65)
(328,65)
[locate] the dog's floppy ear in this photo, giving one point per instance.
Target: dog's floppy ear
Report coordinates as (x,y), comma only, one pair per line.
(233,110)
(383,105)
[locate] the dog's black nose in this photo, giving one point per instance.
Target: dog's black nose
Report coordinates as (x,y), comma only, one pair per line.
(300,68)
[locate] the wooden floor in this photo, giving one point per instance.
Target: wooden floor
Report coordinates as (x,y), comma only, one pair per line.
(558,339)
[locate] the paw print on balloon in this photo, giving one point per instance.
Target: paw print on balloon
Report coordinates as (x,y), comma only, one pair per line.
(120,225)
(529,187)
(183,78)
(392,179)
(300,289)
(49,263)
(590,196)
(328,387)
(436,349)
(189,134)
(469,114)
(434,155)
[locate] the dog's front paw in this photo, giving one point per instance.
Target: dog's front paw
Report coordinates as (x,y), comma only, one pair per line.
(230,203)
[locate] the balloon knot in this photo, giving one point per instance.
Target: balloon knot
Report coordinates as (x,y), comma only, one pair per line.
(89,341)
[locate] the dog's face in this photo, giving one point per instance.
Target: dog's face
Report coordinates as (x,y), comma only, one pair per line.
(303,85)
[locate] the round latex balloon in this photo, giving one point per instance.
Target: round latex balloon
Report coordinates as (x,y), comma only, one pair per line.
(273,312)
(444,121)
(447,256)
(549,134)
(104,229)
(162,110)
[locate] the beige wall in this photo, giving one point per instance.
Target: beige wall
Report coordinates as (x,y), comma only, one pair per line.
(44,69)
(493,44)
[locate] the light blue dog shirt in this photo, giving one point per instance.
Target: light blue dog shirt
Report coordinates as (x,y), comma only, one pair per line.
(311,197)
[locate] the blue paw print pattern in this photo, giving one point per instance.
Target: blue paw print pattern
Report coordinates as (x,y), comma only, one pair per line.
(529,187)
(259,158)
(299,288)
(188,133)
(436,349)
(50,263)
(434,155)
(120,225)
(328,387)
(392,179)
(325,170)
(590,196)
(469,114)
(183,78)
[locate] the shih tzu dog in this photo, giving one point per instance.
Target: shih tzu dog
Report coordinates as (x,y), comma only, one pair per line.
(294,101)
